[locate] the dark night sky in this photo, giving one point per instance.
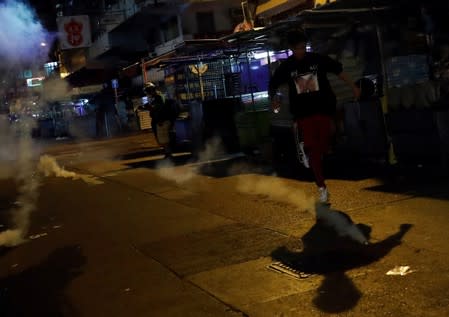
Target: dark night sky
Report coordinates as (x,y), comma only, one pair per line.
(45,10)
(46,13)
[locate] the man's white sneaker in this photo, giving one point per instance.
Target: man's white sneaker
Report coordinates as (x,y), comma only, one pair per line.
(323,195)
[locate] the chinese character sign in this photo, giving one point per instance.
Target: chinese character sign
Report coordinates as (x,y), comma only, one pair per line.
(74,31)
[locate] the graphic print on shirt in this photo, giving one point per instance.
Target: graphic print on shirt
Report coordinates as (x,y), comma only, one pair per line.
(306,83)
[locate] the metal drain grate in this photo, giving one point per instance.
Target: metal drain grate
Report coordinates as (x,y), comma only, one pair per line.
(285,269)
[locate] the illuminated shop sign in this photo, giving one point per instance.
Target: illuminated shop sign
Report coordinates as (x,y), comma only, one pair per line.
(34,82)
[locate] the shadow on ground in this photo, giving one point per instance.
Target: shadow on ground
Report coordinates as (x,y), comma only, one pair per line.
(428,179)
(141,154)
(335,167)
(225,166)
(39,290)
(419,180)
(324,252)
(8,196)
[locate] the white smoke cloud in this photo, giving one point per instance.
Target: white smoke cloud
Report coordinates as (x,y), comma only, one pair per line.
(213,150)
(48,166)
(20,160)
(277,189)
(340,222)
(178,174)
(28,175)
(55,89)
(272,187)
(21,33)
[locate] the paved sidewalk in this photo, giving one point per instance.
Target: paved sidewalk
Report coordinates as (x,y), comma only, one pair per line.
(224,238)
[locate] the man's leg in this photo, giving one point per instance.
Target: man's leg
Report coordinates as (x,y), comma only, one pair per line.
(154,128)
(317,131)
(310,133)
(99,124)
(325,134)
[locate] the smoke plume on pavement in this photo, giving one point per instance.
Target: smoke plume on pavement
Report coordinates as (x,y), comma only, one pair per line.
(273,187)
(342,224)
(182,174)
(277,189)
(48,166)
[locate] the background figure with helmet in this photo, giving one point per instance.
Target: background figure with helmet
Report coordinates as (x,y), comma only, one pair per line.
(107,121)
(163,114)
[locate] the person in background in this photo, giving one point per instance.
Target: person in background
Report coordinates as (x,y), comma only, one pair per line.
(162,117)
(130,111)
(312,101)
(440,70)
(105,103)
(428,25)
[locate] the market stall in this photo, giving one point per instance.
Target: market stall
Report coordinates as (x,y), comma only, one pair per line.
(227,80)
(357,33)
(403,56)
(384,50)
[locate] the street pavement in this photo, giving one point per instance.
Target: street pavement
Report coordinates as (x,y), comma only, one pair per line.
(127,233)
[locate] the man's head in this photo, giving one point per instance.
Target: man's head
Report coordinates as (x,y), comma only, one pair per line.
(296,40)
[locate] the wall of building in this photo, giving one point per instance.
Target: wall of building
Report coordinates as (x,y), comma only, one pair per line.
(221,12)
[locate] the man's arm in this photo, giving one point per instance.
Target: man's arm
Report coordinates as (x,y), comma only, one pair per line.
(347,79)
(278,78)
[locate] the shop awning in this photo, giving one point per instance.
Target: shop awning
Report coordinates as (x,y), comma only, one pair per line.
(263,38)
(90,76)
(274,7)
(344,12)
(132,70)
(156,61)
(355,4)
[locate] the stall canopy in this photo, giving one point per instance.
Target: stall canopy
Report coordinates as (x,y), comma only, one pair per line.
(90,76)
(357,4)
(274,7)
(354,4)
(269,37)
(335,14)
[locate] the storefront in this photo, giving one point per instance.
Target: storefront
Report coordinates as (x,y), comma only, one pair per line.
(227,79)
